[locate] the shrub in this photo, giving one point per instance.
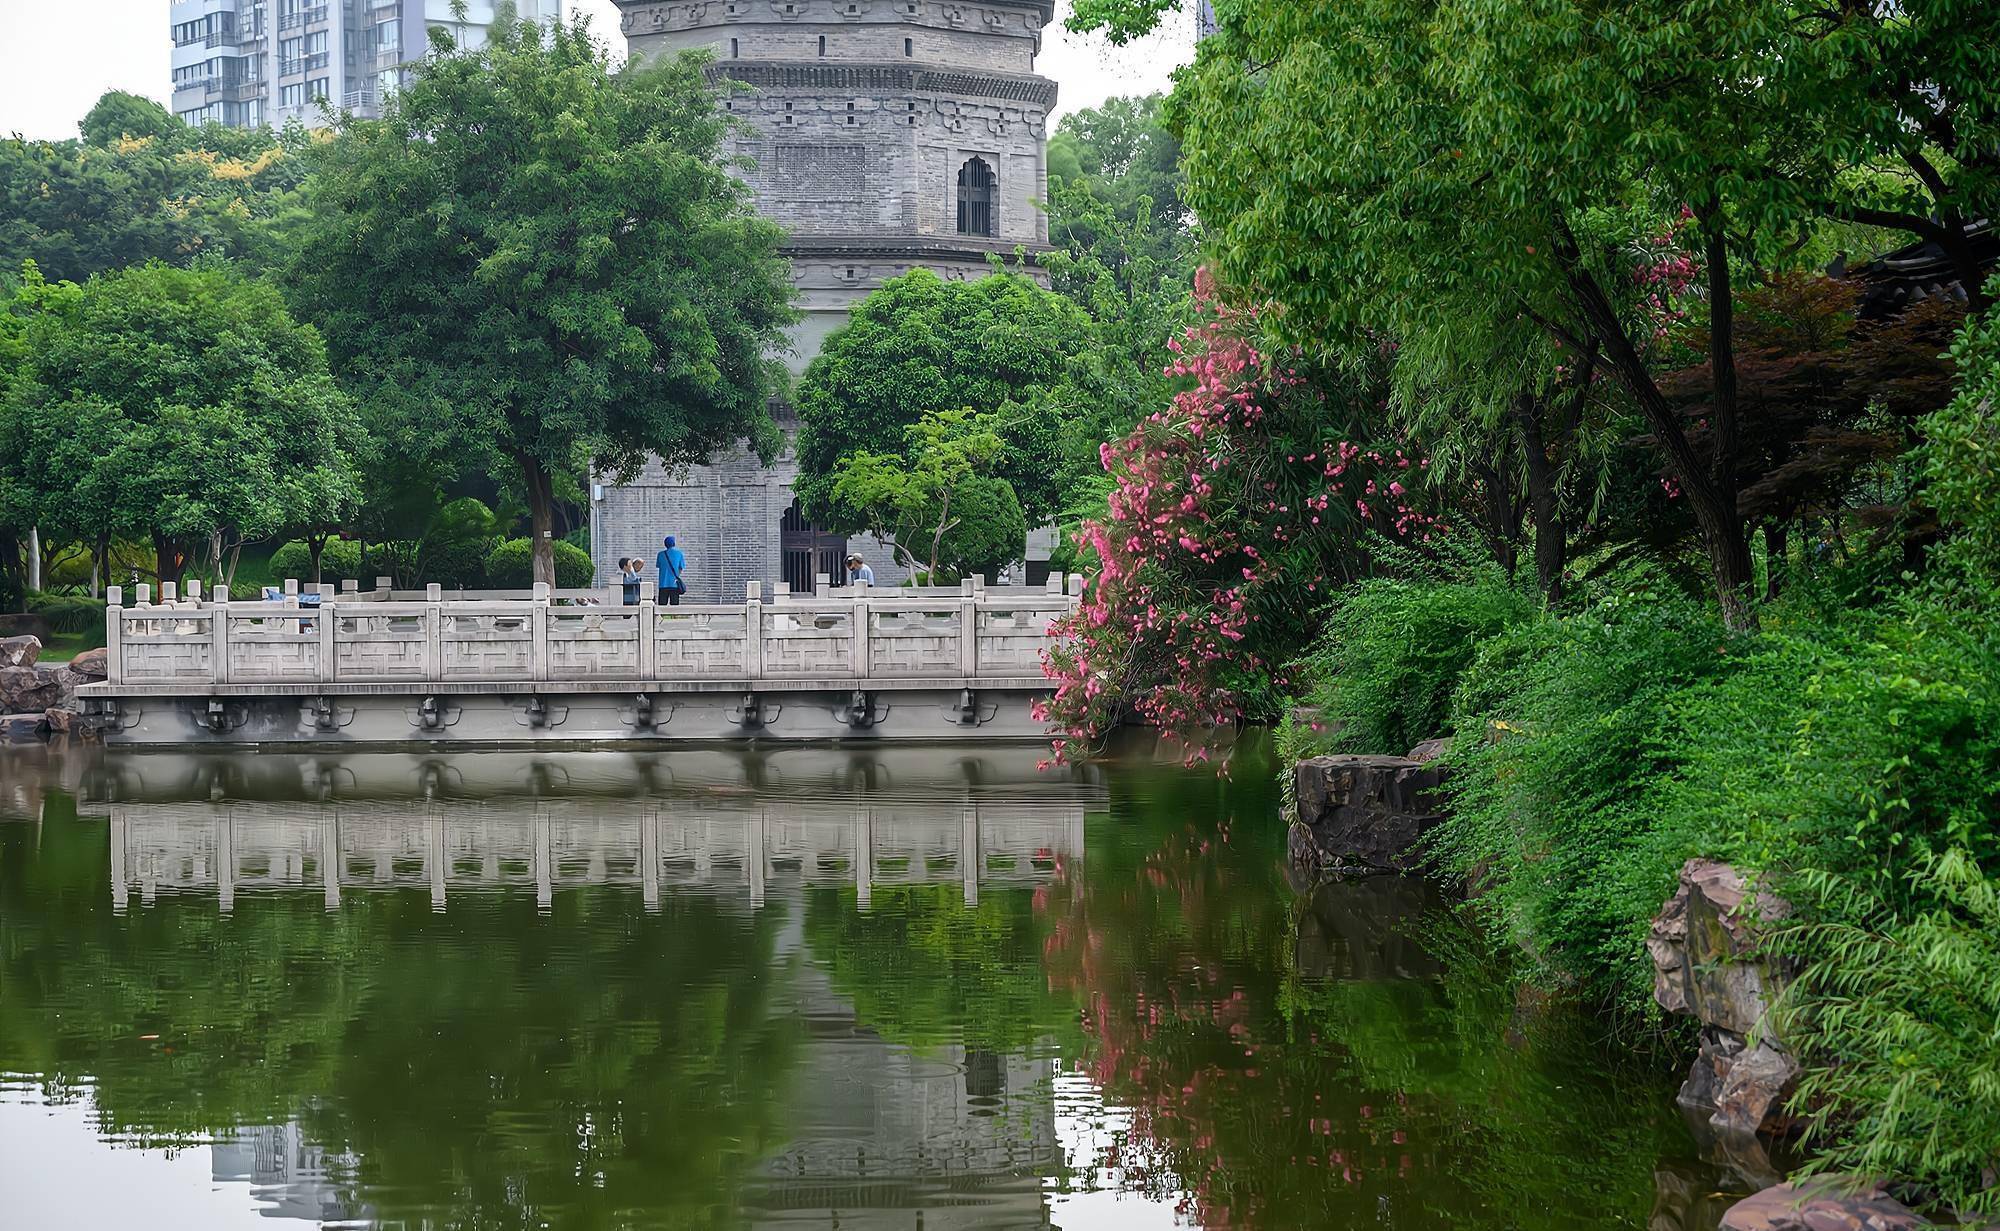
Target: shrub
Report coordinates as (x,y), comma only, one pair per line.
(69,613)
(1384,670)
(339,561)
(1561,731)
(455,551)
(511,566)
(1895,1014)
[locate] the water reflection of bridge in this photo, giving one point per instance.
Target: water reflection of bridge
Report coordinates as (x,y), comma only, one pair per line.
(754,822)
(550,844)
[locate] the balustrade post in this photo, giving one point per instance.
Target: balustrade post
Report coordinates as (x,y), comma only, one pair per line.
(218,634)
(433,632)
(968,630)
(143,595)
(383,588)
(538,622)
(114,634)
(649,645)
(862,619)
(350,585)
(822,582)
(194,590)
(323,624)
(753,632)
(169,593)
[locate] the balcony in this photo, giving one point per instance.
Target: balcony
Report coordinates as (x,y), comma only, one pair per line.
(305,64)
(221,38)
(303,17)
(358,100)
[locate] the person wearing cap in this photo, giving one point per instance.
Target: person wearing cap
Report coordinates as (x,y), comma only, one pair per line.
(671,565)
(858,572)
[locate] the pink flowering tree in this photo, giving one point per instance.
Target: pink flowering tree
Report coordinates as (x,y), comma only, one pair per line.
(1234,513)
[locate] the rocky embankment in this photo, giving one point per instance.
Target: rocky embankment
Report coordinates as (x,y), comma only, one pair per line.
(1374,814)
(38,699)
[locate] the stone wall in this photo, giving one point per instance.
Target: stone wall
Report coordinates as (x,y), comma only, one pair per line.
(1365,813)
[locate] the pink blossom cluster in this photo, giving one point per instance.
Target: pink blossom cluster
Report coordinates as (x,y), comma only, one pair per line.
(1228,509)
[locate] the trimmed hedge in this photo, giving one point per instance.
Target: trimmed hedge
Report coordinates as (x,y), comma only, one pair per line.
(511,566)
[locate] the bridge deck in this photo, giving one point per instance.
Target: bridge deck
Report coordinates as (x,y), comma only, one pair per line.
(325,668)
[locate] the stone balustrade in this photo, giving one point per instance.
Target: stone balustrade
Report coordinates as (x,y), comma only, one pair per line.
(321,638)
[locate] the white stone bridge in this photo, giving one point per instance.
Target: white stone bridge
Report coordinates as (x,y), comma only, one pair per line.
(395,667)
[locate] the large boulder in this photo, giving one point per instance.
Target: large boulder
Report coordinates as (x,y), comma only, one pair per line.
(29,690)
(1708,963)
(1365,813)
(91,664)
(1823,1204)
(21,651)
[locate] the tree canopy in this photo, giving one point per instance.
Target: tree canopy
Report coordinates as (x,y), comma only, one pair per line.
(535,263)
(920,344)
(184,405)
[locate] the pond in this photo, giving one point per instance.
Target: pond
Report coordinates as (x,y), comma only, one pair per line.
(908,988)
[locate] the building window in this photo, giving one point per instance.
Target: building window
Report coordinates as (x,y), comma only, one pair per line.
(975,198)
(293,95)
(317,88)
(822,44)
(909,47)
(735,49)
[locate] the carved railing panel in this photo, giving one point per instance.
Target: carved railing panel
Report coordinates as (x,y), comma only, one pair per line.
(809,642)
(587,643)
(689,644)
(378,643)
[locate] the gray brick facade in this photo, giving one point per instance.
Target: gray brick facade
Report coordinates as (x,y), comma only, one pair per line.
(860,115)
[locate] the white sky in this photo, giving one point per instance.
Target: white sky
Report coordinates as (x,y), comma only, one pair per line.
(57,56)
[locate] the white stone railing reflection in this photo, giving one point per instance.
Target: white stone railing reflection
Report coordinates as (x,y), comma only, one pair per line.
(229,848)
(380,638)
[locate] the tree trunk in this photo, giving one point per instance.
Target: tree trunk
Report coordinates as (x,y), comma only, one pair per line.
(100,566)
(315,551)
(1714,512)
(1500,513)
(1775,539)
(166,559)
(540,520)
(1544,500)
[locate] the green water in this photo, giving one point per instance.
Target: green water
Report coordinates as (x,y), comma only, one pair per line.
(564,990)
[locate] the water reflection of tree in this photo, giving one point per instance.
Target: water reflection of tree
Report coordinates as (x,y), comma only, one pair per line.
(1264,1095)
(922,969)
(487,1067)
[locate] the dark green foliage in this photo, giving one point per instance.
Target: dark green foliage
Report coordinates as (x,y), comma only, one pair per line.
(69,613)
(121,114)
(1897,1010)
(921,344)
(1549,775)
(1382,675)
(991,529)
(339,560)
(463,536)
(511,566)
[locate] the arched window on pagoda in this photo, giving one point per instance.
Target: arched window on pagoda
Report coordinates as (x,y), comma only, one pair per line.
(975,198)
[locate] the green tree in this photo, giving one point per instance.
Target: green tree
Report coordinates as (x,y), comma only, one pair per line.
(186,405)
(938,496)
(539,264)
(143,186)
(1478,161)
(119,113)
(921,344)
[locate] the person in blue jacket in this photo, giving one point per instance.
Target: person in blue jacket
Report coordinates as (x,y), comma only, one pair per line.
(672,567)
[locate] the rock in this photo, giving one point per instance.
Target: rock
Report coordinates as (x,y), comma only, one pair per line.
(20,651)
(1705,946)
(29,690)
(60,721)
(1428,751)
(1828,1203)
(21,728)
(91,664)
(1367,813)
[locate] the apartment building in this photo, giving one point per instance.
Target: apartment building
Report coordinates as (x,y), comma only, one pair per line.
(250,62)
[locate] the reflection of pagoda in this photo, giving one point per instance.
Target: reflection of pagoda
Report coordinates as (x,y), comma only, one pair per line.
(290,1176)
(884,1136)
